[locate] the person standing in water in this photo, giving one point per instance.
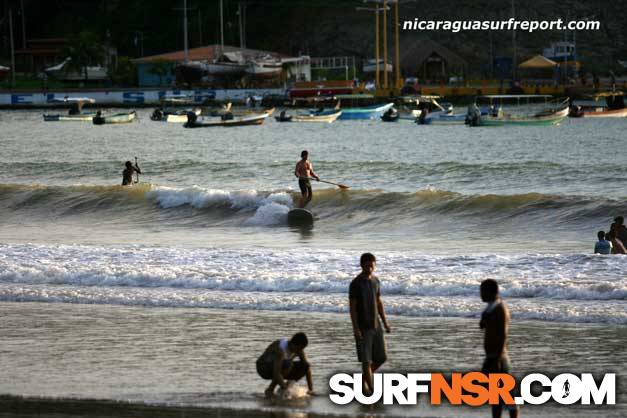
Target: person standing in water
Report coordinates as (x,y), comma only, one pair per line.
(127,174)
(366,307)
(495,323)
(304,171)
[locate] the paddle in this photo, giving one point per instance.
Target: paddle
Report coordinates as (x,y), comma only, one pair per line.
(341,186)
(136,173)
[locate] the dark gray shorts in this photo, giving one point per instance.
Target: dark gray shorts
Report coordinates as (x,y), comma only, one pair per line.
(371,348)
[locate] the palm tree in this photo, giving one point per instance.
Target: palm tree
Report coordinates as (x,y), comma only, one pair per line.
(83,50)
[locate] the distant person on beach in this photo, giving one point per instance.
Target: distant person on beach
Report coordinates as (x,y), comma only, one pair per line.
(495,321)
(366,308)
(127,174)
(602,246)
(304,171)
(277,363)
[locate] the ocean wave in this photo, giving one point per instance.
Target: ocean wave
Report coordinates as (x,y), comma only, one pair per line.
(574,277)
(529,309)
(358,205)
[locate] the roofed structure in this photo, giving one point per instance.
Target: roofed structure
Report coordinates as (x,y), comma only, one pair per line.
(430,60)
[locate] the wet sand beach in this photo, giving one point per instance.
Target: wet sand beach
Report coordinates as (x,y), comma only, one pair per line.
(204,358)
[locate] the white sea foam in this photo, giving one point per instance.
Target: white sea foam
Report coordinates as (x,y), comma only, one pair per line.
(585,288)
(269,209)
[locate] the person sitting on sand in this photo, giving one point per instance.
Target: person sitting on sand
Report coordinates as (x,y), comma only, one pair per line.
(277,363)
(304,172)
(602,246)
(495,321)
(127,174)
(366,308)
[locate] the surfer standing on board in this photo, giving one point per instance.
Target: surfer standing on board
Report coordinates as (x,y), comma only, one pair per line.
(127,174)
(304,172)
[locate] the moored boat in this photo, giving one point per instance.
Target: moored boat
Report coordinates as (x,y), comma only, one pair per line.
(117,118)
(549,114)
(168,111)
(226,120)
(323,116)
(371,112)
(614,106)
(75,113)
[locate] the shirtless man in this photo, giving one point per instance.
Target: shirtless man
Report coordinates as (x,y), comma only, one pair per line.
(304,172)
(495,322)
(277,363)
(127,174)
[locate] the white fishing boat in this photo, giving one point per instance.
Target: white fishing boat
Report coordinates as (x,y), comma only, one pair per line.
(517,109)
(170,110)
(75,113)
(227,120)
(324,116)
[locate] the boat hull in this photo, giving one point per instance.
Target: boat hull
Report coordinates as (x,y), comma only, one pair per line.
(257,119)
(312,117)
(117,118)
(616,113)
(365,113)
(85,117)
(540,121)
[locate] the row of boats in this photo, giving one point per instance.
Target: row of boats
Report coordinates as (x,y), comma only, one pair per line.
(492,110)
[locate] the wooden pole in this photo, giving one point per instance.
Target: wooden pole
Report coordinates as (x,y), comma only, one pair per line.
(185,45)
(377,83)
(12,48)
(385,44)
(397,47)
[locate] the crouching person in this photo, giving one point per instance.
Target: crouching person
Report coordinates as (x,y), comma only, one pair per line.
(278,363)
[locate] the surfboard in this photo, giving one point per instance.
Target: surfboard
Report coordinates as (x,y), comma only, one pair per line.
(300,217)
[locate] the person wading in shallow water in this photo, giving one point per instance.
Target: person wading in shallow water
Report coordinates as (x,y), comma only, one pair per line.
(304,171)
(495,323)
(127,174)
(366,307)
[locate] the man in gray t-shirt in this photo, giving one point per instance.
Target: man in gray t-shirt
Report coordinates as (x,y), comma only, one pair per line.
(366,308)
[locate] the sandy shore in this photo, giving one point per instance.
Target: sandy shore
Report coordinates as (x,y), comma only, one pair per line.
(201,361)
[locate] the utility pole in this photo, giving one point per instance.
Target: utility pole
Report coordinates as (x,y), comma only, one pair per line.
(221,28)
(385,44)
(12,48)
(514,43)
(185,45)
(397,48)
(23,25)
(240,16)
(377,78)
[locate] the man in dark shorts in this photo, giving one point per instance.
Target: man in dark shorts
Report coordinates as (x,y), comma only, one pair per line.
(495,322)
(277,363)
(366,308)
(127,174)
(304,171)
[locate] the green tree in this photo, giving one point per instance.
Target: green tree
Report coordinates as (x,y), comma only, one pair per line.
(83,50)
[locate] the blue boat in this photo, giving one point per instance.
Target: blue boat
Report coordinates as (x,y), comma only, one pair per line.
(373,112)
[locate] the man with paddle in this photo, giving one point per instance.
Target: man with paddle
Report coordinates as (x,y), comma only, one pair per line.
(304,172)
(127,174)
